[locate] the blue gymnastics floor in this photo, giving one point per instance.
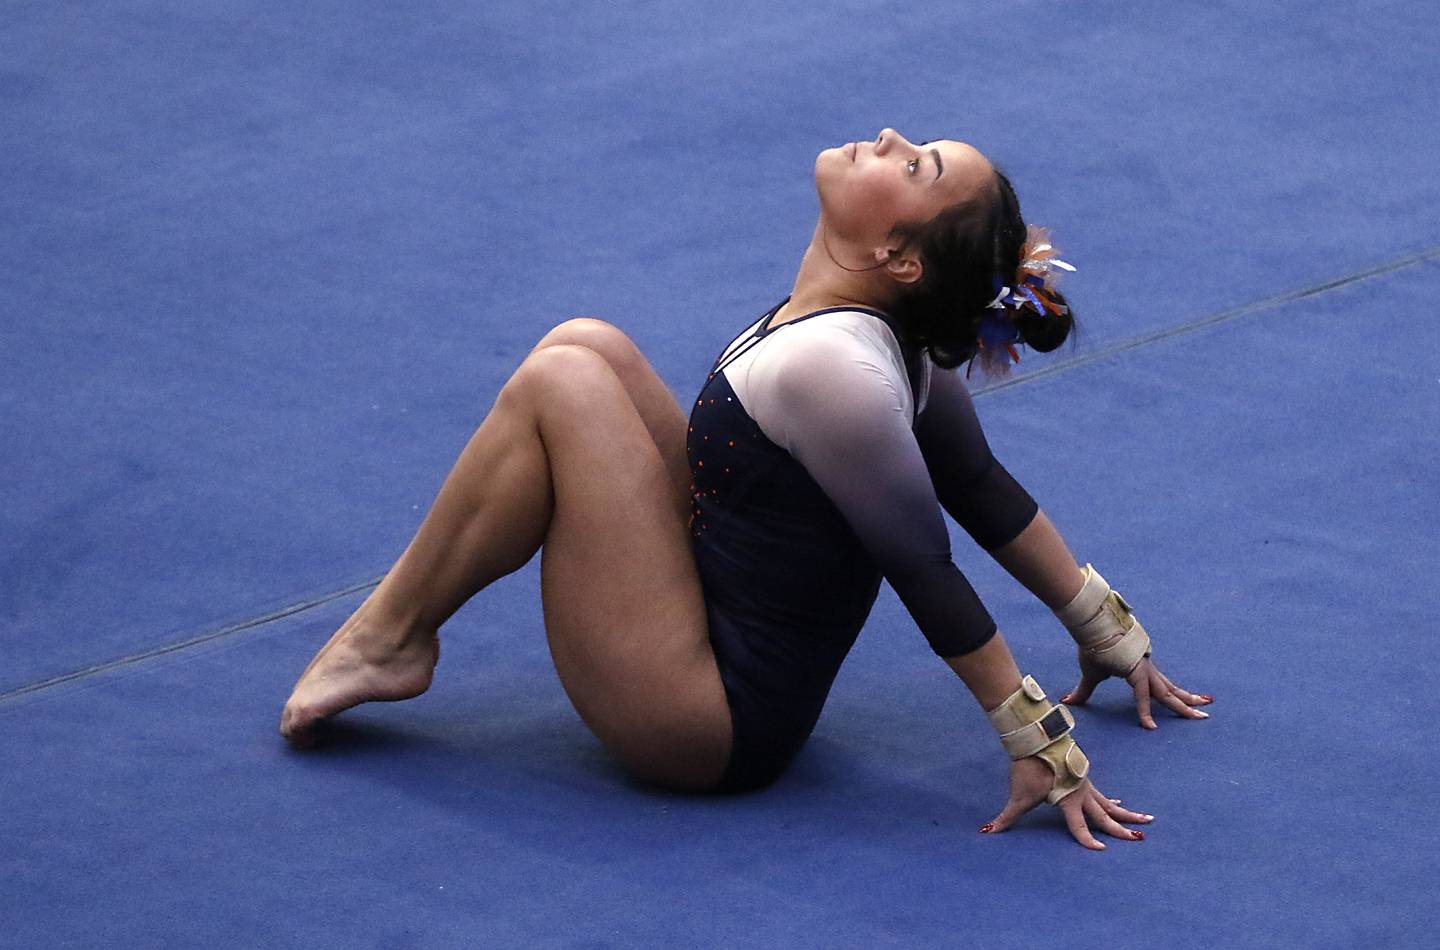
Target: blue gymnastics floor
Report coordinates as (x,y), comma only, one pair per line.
(264,267)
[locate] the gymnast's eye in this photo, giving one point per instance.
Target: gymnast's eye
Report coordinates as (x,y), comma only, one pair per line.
(913,165)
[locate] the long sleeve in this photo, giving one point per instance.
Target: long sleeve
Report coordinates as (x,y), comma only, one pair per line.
(841,412)
(974,487)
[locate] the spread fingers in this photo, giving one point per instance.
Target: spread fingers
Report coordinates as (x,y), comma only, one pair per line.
(1101,819)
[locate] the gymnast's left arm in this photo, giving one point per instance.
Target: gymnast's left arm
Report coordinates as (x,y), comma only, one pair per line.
(841,414)
(1005,520)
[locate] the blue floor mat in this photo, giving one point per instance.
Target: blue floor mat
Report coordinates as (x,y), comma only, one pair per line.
(264,267)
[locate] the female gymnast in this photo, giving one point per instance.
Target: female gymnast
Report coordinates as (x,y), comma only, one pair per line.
(704,573)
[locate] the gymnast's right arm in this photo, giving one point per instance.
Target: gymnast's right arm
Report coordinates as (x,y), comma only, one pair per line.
(841,415)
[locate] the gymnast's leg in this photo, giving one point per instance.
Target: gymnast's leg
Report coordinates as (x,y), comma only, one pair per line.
(664,419)
(566,460)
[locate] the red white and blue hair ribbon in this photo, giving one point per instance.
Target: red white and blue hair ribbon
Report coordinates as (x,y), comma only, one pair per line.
(1034,287)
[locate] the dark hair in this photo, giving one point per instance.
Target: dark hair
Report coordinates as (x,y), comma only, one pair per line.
(963,250)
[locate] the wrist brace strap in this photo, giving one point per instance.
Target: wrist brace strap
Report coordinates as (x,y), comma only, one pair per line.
(1030,725)
(1099,614)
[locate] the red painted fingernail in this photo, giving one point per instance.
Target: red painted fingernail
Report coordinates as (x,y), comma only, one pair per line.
(1138,835)
(1207,697)
(987,827)
(1065,698)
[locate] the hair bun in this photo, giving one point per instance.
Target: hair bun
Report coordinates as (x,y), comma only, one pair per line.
(1043,332)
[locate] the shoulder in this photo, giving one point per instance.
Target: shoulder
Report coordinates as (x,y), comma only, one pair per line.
(837,340)
(835,368)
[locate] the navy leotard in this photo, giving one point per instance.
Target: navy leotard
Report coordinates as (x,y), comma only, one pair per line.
(822,451)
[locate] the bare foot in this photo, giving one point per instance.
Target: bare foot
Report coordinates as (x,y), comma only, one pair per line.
(362,663)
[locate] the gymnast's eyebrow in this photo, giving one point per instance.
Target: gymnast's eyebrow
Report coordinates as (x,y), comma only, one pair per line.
(939,165)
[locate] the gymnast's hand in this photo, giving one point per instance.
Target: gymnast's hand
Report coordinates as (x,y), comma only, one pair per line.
(1148,682)
(1112,640)
(1030,781)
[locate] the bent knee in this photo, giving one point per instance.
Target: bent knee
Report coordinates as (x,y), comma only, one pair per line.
(559,370)
(593,333)
(606,339)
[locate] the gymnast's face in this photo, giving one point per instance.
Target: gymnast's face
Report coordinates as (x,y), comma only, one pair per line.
(866,188)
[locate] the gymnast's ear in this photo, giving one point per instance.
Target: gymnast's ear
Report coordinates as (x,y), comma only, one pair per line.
(902,264)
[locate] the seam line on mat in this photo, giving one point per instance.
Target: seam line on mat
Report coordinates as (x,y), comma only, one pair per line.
(186,644)
(1124,346)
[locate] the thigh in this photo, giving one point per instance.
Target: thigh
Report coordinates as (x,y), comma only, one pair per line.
(664,420)
(624,610)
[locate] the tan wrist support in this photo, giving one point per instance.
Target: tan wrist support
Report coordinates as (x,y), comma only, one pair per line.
(1029,724)
(1104,626)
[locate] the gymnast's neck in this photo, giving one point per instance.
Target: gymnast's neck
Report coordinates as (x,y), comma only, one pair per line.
(835,276)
